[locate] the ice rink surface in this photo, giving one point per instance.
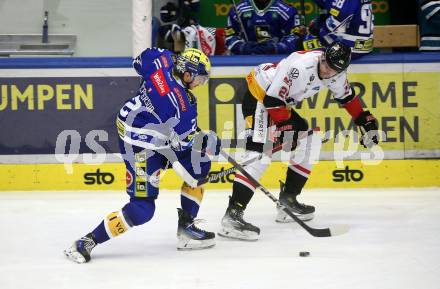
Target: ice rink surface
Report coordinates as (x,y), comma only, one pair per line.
(393,243)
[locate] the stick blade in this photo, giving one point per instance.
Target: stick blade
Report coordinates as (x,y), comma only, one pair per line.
(341,229)
(334,230)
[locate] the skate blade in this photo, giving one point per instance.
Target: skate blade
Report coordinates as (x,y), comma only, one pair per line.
(284,218)
(190,244)
(232,234)
(75,256)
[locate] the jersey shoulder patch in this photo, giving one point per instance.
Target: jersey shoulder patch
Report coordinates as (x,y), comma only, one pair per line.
(160,83)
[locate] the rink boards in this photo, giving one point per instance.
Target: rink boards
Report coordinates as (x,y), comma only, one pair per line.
(51,107)
(325,174)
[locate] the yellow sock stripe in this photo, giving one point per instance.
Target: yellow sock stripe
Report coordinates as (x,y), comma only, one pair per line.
(115,224)
(195,194)
(121,127)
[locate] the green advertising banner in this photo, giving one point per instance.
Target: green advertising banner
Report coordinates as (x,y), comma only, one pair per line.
(213,13)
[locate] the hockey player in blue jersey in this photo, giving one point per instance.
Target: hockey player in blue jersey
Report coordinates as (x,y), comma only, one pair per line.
(157,130)
(263,27)
(348,21)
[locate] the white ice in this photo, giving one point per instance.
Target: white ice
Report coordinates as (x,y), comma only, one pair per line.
(393,243)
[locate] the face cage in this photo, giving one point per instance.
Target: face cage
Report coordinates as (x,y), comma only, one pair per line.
(203,79)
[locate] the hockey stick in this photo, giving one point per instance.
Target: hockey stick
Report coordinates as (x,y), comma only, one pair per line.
(327,232)
(239,21)
(303,13)
(216,176)
(277,147)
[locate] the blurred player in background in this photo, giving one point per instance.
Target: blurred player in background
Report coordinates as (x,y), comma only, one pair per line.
(429,22)
(157,129)
(273,90)
(348,21)
(263,27)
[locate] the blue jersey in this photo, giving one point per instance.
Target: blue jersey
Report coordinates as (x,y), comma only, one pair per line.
(349,21)
(163,108)
(278,21)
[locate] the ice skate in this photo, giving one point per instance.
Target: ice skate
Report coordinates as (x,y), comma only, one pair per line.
(80,251)
(302,211)
(235,227)
(189,236)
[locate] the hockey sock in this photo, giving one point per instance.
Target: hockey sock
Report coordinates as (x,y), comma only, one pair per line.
(134,213)
(191,198)
(294,180)
(241,194)
(113,225)
(243,189)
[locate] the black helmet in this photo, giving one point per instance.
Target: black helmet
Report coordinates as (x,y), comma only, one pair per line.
(338,56)
(169,12)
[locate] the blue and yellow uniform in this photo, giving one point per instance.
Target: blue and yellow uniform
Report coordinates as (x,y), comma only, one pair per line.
(348,21)
(156,129)
(273,29)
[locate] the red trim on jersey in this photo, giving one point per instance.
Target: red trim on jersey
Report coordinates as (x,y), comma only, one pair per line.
(279,114)
(354,107)
(243,178)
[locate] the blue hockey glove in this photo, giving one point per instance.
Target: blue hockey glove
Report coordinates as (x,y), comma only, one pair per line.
(268,47)
(243,48)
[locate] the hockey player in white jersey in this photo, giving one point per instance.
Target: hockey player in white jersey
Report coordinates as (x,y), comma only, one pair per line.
(273,89)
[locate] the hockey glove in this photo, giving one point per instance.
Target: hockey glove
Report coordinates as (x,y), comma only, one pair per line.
(300,30)
(174,141)
(295,122)
(368,125)
(268,47)
(243,48)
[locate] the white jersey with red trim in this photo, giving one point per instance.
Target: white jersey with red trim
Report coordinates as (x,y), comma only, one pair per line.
(295,78)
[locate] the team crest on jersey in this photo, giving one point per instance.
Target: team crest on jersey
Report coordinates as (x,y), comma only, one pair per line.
(159,82)
(293,73)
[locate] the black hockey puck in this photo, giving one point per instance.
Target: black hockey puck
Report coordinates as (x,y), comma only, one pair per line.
(304,254)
